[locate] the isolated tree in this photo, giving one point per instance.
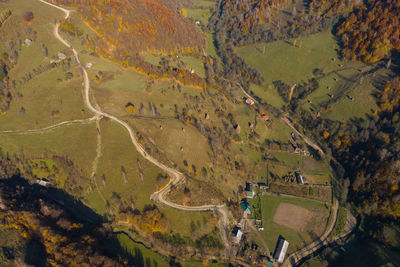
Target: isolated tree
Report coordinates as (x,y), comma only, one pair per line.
(45,51)
(187,192)
(28,16)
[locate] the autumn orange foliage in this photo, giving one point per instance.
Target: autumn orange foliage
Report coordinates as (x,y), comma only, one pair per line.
(371,31)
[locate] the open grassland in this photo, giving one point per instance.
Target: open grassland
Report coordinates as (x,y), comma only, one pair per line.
(142,255)
(63,102)
(211,50)
(297,239)
(198,10)
(43,24)
(295,61)
(291,63)
(178,141)
(197,14)
(191,224)
(269,94)
(316,172)
(62,96)
(75,142)
(122,171)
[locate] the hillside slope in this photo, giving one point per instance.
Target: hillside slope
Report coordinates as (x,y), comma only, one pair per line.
(125,28)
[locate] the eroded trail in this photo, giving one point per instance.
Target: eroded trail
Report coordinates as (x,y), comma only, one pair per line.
(176,176)
(49,128)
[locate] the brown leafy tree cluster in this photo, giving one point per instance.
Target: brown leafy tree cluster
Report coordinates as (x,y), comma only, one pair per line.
(327,7)
(5,92)
(149,221)
(248,14)
(129,27)
(371,31)
(4,14)
(28,16)
(67,26)
(51,234)
(125,29)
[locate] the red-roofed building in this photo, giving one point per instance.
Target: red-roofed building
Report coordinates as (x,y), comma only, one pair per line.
(265,117)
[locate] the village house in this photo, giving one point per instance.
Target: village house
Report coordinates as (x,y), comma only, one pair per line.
(245,207)
(265,117)
(249,101)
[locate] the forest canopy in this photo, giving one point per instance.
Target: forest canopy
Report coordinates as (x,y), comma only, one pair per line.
(371,31)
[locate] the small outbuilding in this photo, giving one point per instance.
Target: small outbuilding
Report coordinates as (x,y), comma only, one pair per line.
(28,42)
(61,56)
(43,182)
(262,186)
(299,178)
(265,117)
(237,233)
(249,190)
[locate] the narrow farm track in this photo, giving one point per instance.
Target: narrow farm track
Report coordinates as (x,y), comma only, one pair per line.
(176,176)
(305,138)
(296,257)
(42,130)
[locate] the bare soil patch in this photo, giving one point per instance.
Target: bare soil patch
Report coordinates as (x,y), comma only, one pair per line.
(309,165)
(292,216)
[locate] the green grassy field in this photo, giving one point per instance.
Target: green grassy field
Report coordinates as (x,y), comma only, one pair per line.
(43,24)
(171,138)
(75,142)
(319,172)
(117,151)
(180,221)
(294,61)
(293,64)
(211,49)
(272,230)
(65,97)
(269,94)
(142,255)
(198,14)
(51,87)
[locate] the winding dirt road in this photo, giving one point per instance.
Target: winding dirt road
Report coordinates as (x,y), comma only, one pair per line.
(176,176)
(296,257)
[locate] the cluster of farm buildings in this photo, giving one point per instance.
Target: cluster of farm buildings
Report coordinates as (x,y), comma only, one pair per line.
(282,244)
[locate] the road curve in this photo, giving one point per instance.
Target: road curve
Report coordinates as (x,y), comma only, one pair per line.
(297,256)
(176,176)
